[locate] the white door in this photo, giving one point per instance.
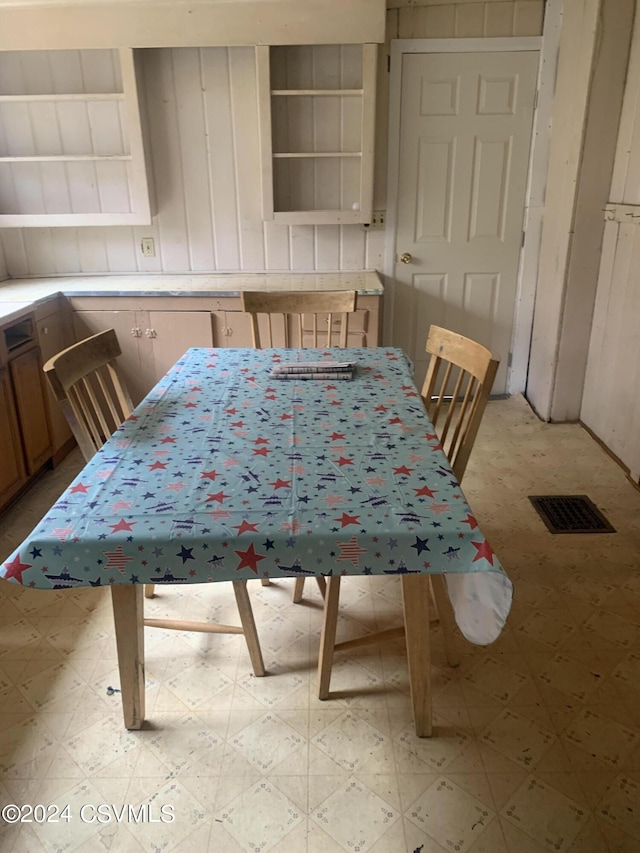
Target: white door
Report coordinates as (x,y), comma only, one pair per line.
(465,133)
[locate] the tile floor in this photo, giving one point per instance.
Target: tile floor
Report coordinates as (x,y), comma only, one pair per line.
(537,737)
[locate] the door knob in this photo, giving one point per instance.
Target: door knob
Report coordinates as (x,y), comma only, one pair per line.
(405,258)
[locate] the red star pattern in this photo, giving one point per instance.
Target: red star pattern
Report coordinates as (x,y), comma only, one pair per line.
(403,470)
(116,559)
(249,559)
(346,519)
(425,491)
(79,488)
(122,525)
(219,497)
(245,527)
(15,568)
(350,551)
(484,550)
(342,461)
(281,484)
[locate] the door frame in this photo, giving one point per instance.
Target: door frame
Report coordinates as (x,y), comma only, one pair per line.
(536,180)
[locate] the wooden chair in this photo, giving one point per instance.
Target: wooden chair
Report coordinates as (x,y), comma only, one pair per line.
(468,367)
(455,392)
(86,382)
(296,310)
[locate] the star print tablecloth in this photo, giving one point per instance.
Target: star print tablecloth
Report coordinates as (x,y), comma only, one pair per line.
(224,473)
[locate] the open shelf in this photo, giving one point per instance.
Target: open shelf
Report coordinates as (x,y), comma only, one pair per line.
(72,156)
(316,106)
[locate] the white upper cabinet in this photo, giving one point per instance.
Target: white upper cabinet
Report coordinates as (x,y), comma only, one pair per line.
(71,150)
(317,113)
(48,24)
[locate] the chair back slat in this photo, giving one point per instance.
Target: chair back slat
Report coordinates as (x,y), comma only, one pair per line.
(86,382)
(440,398)
(452,405)
(84,419)
(294,308)
(466,410)
(93,404)
(462,395)
(118,400)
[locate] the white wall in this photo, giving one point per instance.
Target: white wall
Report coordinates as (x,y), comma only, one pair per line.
(592,65)
(611,400)
(203,132)
(201,111)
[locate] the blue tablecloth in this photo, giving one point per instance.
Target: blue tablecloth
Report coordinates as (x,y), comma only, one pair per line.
(224,473)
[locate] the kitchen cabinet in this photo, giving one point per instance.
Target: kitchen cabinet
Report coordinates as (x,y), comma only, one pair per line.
(146,23)
(24,417)
(151,341)
(71,149)
(232,328)
(55,333)
(27,380)
(12,469)
(155,331)
(316,108)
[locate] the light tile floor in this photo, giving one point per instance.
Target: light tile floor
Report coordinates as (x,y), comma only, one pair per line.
(537,737)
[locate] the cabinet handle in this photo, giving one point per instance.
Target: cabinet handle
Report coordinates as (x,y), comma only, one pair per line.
(137,333)
(151,333)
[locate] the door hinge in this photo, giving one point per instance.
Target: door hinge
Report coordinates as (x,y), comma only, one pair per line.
(522,241)
(535,100)
(510,360)
(388,62)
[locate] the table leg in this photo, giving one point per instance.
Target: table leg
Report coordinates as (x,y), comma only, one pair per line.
(249,626)
(445,615)
(298,589)
(128,616)
(328,636)
(415,595)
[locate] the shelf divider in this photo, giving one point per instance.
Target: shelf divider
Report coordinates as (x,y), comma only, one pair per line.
(341,93)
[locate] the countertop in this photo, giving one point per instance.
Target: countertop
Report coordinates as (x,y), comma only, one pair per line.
(19,294)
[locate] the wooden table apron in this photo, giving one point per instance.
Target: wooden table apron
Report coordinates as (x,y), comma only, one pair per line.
(226,473)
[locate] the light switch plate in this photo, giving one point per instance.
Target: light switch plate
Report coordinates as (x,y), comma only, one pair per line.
(377,221)
(148,246)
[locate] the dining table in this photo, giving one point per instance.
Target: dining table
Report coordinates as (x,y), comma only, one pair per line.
(240,465)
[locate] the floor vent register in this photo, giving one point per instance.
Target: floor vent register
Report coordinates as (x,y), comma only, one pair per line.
(570,514)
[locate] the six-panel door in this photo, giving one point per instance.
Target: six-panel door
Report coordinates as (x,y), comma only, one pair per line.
(464,151)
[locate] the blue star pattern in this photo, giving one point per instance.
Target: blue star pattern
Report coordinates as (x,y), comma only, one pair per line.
(223,473)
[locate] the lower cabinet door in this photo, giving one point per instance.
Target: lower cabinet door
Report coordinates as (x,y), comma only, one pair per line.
(27,378)
(12,471)
(53,338)
(136,361)
(173,332)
